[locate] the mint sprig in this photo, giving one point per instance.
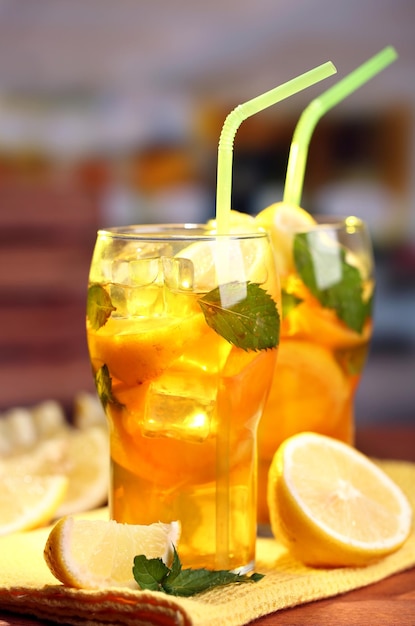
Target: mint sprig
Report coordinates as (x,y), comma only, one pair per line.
(317,264)
(244,314)
(154,575)
(98,306)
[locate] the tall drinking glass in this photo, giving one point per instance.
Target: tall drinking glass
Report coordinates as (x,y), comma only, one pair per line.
(327,295)
(183,328)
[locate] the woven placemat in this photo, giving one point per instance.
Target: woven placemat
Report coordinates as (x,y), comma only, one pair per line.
(28,587)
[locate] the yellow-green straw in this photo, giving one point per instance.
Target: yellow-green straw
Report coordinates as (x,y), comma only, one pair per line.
(316,109)
(223,207)
(234,120)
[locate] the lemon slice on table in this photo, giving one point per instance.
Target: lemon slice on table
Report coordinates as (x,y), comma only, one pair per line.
(27,502)
(81,456)
(86,465)
(92,554)
(332,505)
(282,221)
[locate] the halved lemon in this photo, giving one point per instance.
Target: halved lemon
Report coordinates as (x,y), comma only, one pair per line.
(332,505)
(282,221)
(93,554)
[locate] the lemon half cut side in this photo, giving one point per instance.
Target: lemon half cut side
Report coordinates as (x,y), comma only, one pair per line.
(332,505)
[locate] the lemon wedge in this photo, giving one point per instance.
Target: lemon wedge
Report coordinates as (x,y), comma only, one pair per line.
(92,554)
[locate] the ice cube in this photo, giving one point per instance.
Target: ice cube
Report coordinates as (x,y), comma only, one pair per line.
(119,299)
(144,271)
(178,273)
(181,406)
(147,300)
(120,272)
(137,301)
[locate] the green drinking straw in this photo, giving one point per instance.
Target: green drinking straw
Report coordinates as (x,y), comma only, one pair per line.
(316,109)
(223,206)
(234,120)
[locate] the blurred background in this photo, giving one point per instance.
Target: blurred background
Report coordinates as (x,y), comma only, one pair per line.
(110,112)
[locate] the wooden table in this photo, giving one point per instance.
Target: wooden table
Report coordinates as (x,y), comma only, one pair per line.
(390,602)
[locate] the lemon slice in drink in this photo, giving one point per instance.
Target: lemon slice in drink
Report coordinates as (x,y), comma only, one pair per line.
(282,221)
(93,554)
(239,222)
(332,505)
(28,502)
(139,351)
(309,388)
(311,320)
(229,259)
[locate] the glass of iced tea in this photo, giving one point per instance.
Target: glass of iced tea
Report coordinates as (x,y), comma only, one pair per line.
(327,294)
(183,328)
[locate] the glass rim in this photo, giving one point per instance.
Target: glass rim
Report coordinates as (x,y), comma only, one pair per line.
(174,232)
(336,222)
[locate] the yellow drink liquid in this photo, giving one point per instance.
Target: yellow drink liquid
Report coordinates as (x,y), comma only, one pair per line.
(169,384)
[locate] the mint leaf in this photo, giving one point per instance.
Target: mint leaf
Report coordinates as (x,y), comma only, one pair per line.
(244,314)
(192,581)
(288,302)
(98,306)
(103,383)
(176,566)
(149,573)
(335,283)
(155,575)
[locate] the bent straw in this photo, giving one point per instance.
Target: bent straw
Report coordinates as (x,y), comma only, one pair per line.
(316,109)
(234,120)
(223,206)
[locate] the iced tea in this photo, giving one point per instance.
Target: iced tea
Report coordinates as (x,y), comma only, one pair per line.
(326,327)
(184,381)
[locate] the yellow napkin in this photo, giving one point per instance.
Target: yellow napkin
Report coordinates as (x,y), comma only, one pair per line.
(27,586)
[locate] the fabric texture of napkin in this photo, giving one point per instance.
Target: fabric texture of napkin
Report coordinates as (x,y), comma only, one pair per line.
(28,587)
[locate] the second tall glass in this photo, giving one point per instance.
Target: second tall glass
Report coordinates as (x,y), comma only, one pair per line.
(327,296)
